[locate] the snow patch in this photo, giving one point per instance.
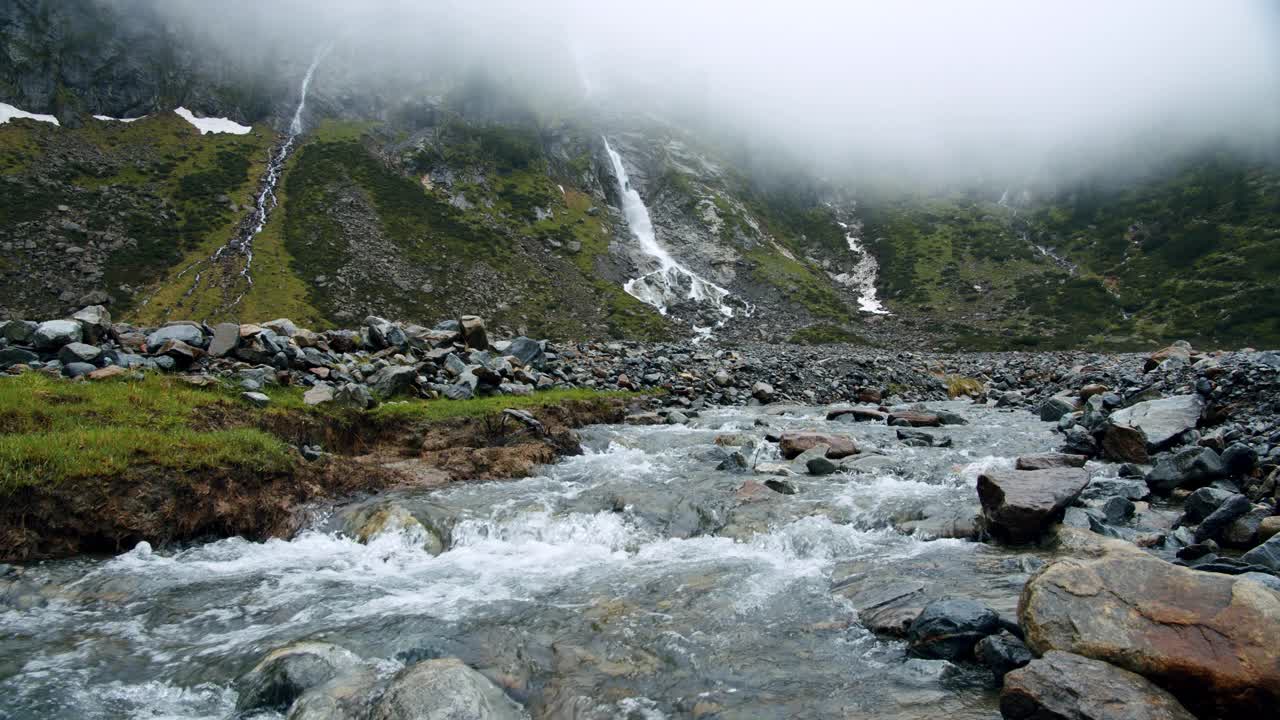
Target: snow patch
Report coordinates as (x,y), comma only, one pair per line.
(105,118)
(863,275)
(9,112)
(213,125)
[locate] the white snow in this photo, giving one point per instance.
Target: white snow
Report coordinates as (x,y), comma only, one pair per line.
(9,112)
(106,118)
(213,125)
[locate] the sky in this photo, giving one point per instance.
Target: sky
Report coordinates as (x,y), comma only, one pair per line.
(936,85)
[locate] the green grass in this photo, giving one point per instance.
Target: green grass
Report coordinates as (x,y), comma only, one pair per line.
(52,431)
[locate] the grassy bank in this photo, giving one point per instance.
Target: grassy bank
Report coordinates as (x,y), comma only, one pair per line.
(96,467)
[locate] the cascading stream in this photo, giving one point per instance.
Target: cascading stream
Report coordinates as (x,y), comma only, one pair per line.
(863,275)
(667,580)
(266,200)
(671,283)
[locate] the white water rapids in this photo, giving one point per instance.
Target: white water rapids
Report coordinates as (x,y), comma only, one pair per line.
(671,282)
(636,575)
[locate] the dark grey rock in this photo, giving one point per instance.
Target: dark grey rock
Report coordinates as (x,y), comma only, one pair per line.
(1232,508)
(1065,686)
(949,629)
(1193,466)
(1002,652)
(53,334)
(1267,554)
(1201,503)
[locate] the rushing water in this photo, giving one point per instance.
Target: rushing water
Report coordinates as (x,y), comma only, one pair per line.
(670,283)
(632,581)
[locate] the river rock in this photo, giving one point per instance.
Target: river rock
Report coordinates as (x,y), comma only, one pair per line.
(284,674)
(444,689)
(17,356)
(889,609)
(1267,554)
(1218,520)
(1019,505)
(792,444)
(370,523)
(528,351)
(914,418)
(857,414)
(1046,461)
(1065,686)
(1054,408)
(948,629)
(1123,443)
(762,391)
(1204,501)
(1161,421)
(20,332)
(1239,459)
(1193,466)
(54,334)
(1208,638)
(354,395)
(922,438)
(1002,652)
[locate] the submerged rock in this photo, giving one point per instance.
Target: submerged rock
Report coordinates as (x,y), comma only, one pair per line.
(792,444)
(444,689)
(1065,686)
(286,673)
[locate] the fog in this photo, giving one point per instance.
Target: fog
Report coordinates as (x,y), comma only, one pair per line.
(988,88)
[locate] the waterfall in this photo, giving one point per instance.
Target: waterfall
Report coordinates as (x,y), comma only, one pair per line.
(266,200)
(863,275)
(671,282)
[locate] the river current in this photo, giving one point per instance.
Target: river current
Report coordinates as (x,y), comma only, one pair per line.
(633,581)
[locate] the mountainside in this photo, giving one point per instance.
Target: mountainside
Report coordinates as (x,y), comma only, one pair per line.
(466,198)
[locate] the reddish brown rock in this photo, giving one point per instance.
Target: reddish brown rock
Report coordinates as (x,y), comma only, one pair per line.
(1123,443)
(793,443)
(858,414)
(1212,640)
(915,418)
(109,371)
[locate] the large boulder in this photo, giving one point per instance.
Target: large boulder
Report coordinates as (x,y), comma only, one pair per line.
(17,356)
(20,332)
(80,352)
(284,674)
(1124,443)
(1054,408)
(1002,653)
(354,395)
(53,334)
(1212,640)
(948,629)
(793,444)
(1019,505)
(1161,421)
(1065,686)
(443,689)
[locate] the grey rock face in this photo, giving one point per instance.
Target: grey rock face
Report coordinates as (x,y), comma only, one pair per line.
(1163,420)
(53,334)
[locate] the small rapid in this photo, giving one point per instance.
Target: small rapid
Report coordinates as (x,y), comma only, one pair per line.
(635,580)
(670,283)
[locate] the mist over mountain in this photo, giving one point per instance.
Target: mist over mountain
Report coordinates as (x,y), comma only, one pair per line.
(934,89)
(990,174)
